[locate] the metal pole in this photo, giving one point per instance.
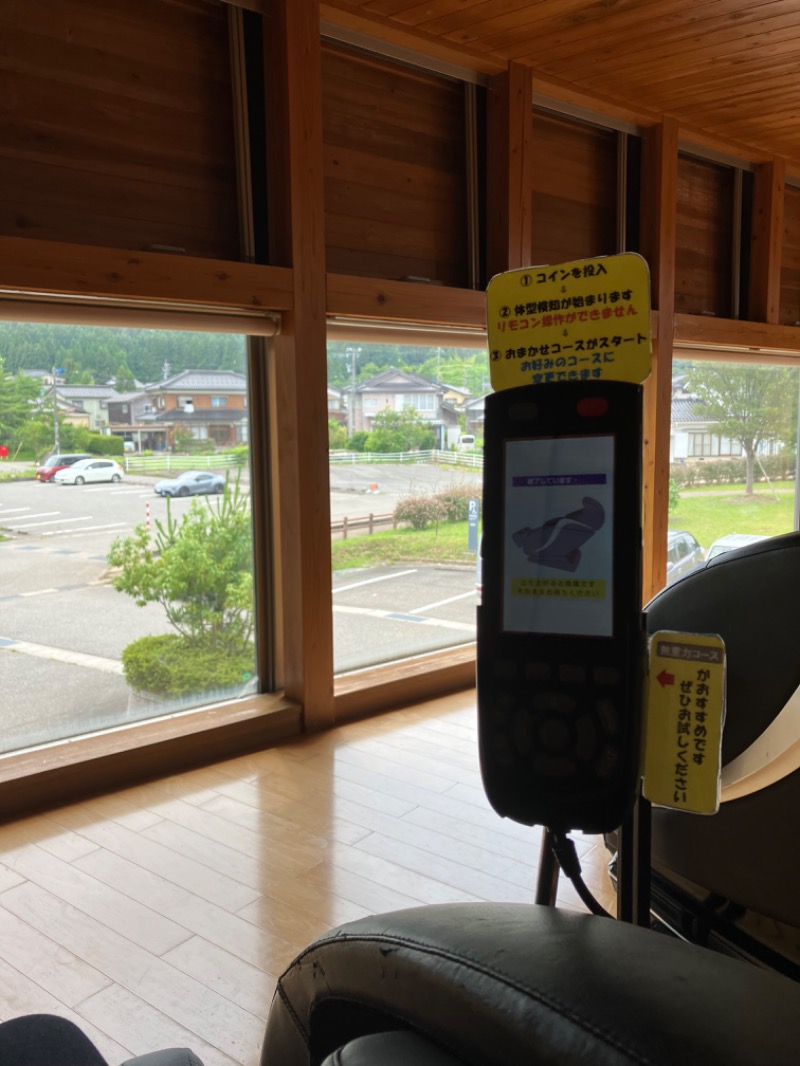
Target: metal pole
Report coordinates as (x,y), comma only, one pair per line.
(55,413)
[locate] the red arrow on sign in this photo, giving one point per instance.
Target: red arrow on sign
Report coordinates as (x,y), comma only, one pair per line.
(665,679)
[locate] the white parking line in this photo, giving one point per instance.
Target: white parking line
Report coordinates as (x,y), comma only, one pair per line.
(372,580)
(16,510)
(400,616)
(35,525)
(441,603)
(74,658)
(38,592)
(86,529)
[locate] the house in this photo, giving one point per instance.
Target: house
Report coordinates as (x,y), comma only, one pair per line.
(93,399)
(208,404)
(397,390)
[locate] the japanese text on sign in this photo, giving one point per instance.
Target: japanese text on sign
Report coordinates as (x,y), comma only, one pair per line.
(685,704)
(575,322)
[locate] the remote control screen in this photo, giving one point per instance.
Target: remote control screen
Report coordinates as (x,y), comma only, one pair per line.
(558,536)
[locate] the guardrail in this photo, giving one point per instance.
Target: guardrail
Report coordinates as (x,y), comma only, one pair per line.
(342,527)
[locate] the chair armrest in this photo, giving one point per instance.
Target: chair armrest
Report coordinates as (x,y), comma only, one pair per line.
(516,983)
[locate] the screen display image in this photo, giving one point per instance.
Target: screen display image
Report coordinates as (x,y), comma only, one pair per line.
(558,536)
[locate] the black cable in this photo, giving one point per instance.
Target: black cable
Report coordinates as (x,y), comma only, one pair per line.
(567,858)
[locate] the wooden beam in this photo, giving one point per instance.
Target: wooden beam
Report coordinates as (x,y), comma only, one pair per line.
(28,265)
(510,170)
(405,301)
(749,338)
(293,66)
(767,242)
(659,227)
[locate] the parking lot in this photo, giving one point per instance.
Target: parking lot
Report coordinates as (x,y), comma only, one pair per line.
(63,626)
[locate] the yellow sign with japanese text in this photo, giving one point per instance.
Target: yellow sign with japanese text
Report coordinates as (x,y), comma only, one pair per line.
(685,707)
(576,321)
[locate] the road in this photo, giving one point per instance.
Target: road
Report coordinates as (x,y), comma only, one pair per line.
(63,626)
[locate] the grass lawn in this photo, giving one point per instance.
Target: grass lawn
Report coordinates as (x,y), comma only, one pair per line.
(715,513)
(447,544)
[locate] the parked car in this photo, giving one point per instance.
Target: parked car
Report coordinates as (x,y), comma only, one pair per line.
(731,541)
(87,470)
(683,554)
(59,461)
(191,483)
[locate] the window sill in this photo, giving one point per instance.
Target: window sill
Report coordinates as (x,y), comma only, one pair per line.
(62,772)
(381,688)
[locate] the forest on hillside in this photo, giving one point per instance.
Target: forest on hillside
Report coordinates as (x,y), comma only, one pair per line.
(98,354)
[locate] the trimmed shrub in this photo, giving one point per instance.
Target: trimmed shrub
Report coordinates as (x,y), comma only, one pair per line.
(171,665)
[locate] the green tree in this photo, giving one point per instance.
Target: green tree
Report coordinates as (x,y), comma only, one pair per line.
(399,431)
(199,568)
(747,403)
(17,395)
(337,434)
(124,381)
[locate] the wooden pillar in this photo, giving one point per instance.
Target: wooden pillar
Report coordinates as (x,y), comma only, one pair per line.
(659,227)
(767,242)
(299,367)
(510,170)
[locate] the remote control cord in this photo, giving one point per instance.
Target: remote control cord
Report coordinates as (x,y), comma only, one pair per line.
(567,857)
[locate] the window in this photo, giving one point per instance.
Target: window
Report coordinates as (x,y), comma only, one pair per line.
(78,654)
(404,552)
(219,401)
(733,477)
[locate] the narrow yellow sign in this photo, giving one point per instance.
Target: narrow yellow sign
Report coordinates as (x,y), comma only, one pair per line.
(685,704)
(577,321)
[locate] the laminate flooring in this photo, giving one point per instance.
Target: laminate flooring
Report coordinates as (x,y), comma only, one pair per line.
(163,914)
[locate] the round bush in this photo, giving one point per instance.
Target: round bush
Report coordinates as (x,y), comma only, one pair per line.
(170,665)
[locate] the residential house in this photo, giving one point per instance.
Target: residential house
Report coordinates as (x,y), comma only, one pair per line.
(91,399)
(210,404)
(395,390)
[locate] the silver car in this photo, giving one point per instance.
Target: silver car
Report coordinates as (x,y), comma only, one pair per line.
(191,483)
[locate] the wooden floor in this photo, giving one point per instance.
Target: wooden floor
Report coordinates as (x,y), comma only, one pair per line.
(162,915)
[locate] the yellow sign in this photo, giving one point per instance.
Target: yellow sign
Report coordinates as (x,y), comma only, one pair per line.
(576,321)
(684,715)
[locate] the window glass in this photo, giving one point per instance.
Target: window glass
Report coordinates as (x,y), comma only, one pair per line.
(405,498)
(733,457)
(129,598)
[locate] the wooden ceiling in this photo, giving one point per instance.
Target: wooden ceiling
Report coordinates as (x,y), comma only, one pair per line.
(727,68)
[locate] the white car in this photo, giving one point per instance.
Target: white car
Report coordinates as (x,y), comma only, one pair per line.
(86,470)
(731,541)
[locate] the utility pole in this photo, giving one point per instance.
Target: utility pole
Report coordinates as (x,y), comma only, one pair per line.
(56,372)
(351,401)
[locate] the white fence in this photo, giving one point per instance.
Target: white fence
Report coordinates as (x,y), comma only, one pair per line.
(166,462)
(469,459)
(163,462)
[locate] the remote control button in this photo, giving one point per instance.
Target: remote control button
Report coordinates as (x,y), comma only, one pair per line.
(554,734)
(609,717)
(554,702)
(571,674)
(605,675)
(555,766)
(586,738)
(504,669)
(523,732)
(608,763)
(537,671)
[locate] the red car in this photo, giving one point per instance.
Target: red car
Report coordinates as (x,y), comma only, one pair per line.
(57,462)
